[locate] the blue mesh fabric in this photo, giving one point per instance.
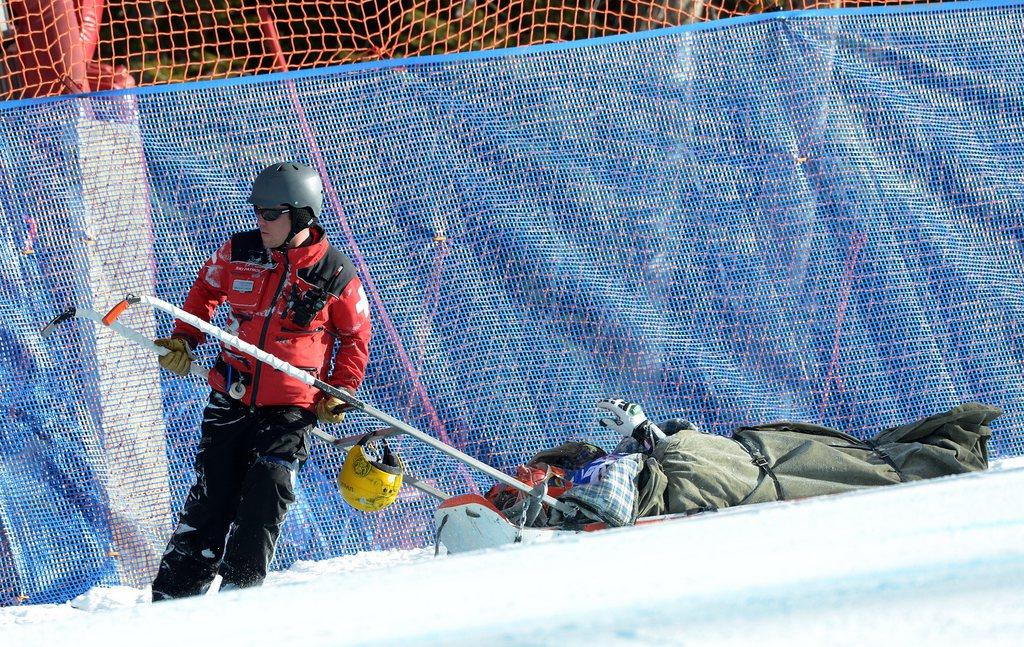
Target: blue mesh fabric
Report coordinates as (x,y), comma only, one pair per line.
(815,216)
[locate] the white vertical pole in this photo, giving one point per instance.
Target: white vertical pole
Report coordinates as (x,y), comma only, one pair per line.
(118,252)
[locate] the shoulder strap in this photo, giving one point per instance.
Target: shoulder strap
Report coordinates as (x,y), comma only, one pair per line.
(759,459)
(331,273)
(885,457)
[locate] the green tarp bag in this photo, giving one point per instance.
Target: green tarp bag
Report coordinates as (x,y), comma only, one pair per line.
(694,471)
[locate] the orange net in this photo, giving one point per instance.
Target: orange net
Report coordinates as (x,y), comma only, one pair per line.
(60,46)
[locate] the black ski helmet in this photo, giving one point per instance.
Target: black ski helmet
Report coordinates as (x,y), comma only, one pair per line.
(292,185)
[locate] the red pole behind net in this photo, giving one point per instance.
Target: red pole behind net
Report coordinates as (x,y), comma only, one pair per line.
(50,51)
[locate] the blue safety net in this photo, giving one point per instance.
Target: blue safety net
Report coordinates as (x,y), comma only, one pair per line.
(815,216)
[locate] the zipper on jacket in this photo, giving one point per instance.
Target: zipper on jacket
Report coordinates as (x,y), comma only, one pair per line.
(263,333)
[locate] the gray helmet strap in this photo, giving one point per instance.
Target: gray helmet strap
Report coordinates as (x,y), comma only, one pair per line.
(307,221)
(310,221)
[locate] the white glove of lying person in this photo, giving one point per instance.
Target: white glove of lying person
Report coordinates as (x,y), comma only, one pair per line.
(628,419)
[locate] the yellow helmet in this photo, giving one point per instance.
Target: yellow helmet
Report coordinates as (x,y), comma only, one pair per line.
(367,484)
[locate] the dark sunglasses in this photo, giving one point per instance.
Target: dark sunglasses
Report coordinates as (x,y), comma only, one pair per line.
(271,214)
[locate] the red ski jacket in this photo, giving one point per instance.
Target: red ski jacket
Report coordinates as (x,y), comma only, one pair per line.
(292,304)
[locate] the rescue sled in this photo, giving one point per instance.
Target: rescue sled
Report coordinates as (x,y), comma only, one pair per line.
(470,522)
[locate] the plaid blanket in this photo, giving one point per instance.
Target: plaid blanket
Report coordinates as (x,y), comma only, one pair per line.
(605,490)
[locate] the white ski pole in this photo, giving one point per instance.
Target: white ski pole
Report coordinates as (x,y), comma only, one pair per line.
(75,312)
(304,377)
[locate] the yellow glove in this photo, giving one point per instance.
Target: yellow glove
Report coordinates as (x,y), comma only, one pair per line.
(328,412)
(179,360)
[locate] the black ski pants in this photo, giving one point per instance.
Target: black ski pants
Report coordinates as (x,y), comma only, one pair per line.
(245,481)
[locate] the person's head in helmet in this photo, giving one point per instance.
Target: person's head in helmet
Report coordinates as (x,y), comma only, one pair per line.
(288,197)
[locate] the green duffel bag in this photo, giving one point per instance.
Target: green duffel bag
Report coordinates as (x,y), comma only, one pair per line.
(694,471)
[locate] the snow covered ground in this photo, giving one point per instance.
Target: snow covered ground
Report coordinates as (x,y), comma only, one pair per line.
(936,563)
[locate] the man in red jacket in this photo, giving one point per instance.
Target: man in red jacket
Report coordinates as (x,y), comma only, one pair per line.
(295,296)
